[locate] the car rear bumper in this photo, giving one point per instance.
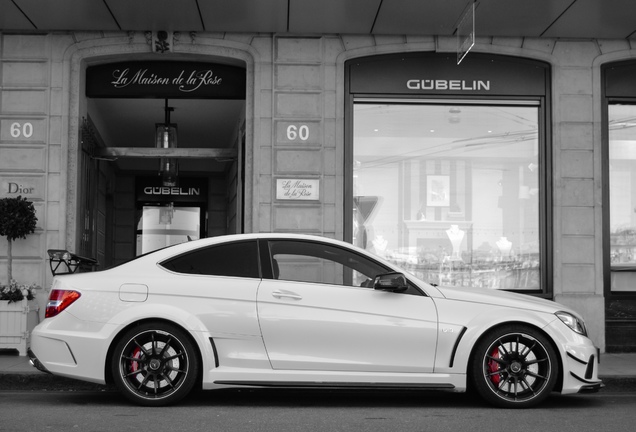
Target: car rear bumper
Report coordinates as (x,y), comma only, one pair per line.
(73,354)
(36,363)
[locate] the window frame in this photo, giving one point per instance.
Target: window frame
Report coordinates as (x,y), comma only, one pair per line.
(607,244)
(267,260)
(163,263)
(545,211)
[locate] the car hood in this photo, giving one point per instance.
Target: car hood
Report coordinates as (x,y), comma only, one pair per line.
(501,298)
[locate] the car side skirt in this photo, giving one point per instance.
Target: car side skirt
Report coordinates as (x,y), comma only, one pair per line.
(234,377)
(341,385)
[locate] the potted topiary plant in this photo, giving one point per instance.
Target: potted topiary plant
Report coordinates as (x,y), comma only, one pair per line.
(17,220)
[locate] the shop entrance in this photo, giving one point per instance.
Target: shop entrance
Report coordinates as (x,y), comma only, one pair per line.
(166,216)
(162,156)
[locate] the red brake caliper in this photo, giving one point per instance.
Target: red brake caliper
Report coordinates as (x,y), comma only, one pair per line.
(493,367)
(134,366)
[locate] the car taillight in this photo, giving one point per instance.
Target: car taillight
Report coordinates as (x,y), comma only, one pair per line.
(60,300)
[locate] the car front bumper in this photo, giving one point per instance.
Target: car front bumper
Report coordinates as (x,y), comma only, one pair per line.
(579,358)
(589,379)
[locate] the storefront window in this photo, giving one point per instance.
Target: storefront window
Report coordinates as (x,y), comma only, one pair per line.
(450,192)
(622,172)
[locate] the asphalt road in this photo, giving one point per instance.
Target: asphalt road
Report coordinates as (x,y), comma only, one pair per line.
(307,411)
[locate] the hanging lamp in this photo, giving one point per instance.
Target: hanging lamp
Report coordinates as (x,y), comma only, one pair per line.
(166,137)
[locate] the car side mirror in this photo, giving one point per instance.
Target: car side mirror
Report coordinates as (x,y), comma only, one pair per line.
(394,282)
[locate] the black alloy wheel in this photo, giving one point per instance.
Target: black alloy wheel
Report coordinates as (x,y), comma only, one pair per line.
(155,364)
(514,366)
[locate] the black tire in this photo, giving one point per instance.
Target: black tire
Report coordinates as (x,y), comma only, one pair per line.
(514,367)
(155,364)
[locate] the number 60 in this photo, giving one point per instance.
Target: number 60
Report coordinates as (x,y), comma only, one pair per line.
(294,132)
(17,130)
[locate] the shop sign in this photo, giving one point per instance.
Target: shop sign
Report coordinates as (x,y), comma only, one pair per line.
(172,80)
(444,84)
(297,189)
(172,190)
(435,74)
(24,186)
(188,190)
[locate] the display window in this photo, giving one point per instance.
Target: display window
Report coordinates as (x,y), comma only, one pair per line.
(622,195)
(619,204)
(622,188)
(450,191)
(619,88)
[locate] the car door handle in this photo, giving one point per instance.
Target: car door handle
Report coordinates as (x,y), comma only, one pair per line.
(286,294)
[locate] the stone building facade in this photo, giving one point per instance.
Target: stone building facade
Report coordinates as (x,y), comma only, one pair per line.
(296,81)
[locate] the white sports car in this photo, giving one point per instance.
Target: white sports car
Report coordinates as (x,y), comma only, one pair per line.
(277,310)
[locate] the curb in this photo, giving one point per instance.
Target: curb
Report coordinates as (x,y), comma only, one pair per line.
(47,382)
(618,383)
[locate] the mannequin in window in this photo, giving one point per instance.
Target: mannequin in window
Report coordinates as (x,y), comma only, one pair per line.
(379,245)
(421,214)
(504,246)
(456,237)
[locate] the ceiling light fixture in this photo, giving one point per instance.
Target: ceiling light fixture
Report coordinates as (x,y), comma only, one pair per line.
(165,138)
(454,117)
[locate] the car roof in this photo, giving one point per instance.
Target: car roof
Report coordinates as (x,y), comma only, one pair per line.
(162,254)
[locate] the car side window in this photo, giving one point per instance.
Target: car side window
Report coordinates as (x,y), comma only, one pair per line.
(321,263)
(229,259)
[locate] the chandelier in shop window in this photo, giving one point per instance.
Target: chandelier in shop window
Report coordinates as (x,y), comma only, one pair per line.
(166,137)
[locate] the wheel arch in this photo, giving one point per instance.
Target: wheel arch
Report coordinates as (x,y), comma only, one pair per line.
(469,379)
(109,354)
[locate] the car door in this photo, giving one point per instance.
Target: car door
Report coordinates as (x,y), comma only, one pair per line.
(218,285)
(318,313)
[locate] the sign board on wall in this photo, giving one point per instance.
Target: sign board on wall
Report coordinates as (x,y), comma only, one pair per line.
(297,189)
(188,190)
(26,187)
(172,80)
(439,74)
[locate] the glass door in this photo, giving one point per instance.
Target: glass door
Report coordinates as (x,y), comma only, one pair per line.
(165,225)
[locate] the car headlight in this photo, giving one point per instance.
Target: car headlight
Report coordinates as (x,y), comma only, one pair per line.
(575,323)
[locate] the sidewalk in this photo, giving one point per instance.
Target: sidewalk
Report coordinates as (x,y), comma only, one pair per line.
(618,372)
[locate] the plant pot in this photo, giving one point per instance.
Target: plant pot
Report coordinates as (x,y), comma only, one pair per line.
(14,333)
